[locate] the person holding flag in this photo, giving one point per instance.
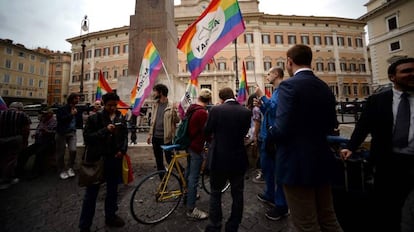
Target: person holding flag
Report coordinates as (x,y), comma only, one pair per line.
(272,194)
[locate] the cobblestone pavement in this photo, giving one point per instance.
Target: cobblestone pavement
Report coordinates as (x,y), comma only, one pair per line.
(48,204)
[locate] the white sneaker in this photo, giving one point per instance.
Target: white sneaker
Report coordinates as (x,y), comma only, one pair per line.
(197,214)
(63,175)
(71,173)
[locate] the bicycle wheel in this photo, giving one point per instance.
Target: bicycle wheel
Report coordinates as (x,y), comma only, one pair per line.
(149,205)
(205,181)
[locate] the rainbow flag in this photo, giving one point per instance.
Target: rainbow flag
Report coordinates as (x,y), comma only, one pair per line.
(216,27)
(189,97)
(102,86)
(123,107)
(134,92)
(3,105)
(150,67)
(243,93)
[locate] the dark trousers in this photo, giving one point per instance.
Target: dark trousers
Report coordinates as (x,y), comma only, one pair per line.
(112,169)
(41,151)
(393,183)
(159,153)
(217,183)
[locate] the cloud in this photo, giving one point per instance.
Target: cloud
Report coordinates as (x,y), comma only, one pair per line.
(48,23)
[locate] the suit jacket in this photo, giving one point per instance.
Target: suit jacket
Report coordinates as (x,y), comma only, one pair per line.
(228,123)
(304,117)
(376,119)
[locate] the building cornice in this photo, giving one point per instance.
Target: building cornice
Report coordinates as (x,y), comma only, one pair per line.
(284,18)
(379,10)
(9,43)
(98,33)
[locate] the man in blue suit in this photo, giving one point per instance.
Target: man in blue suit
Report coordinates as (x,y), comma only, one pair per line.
(228,124)
(272,193)
(304,163)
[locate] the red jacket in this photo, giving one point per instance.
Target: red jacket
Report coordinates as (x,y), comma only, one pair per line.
(196,127)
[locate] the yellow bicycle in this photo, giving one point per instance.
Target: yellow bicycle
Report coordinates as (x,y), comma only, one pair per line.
(158,194)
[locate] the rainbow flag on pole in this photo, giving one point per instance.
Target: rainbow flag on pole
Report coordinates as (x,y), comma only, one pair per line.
(150,67)
(134,92)
(216,27)
(102,85)
(189,97)
(243,93)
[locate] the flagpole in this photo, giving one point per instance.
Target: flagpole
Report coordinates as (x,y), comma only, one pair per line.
(237,67)
(254,66)
(169,80)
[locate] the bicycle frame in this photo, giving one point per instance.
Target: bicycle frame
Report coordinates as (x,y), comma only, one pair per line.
(162,192)
(159,193)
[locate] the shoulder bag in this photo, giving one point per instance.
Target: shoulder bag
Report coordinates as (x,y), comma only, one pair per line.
(91,172)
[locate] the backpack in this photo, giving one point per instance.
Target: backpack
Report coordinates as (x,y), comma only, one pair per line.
(181,136)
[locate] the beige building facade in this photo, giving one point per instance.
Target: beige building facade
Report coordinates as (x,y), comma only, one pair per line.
(340,52)
(23,74)
(105,51)
(59,76)
(391,35)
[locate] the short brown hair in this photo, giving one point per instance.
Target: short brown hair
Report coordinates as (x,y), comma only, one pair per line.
(226,93)
(300,54)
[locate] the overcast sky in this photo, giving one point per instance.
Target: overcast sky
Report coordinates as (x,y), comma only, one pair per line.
(48,23)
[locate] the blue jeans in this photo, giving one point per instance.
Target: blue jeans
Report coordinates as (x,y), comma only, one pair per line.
(271,191)
(112,168)
(193,175)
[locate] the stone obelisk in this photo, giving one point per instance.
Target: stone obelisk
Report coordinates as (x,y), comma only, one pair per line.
(153,20)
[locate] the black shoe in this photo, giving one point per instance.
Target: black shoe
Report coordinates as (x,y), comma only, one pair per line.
(116,221)
(276,213)
(85,230)
(261,197)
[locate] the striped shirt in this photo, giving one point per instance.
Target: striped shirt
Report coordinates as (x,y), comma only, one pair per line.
(14,123)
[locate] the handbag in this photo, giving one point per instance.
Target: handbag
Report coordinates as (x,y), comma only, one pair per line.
(127,172)
(91,172)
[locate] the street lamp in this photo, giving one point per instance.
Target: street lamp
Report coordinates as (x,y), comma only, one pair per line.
(237,72)
(85,28)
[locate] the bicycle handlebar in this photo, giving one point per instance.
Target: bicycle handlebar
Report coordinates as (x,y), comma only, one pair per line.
(171,147)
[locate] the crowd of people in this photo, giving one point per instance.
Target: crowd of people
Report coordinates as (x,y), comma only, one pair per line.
(284,137)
